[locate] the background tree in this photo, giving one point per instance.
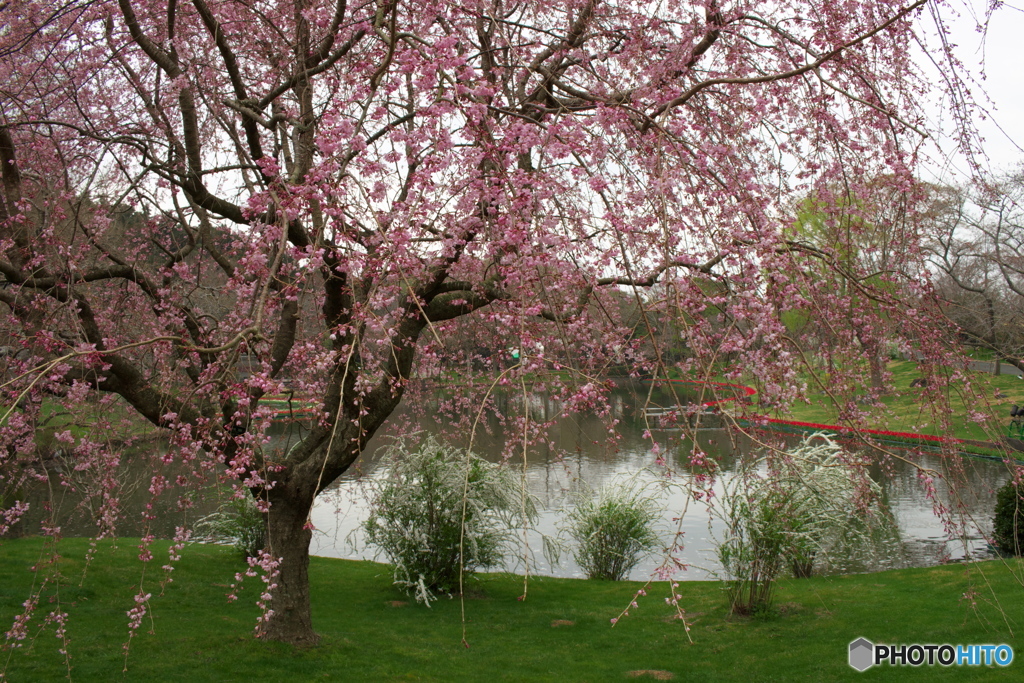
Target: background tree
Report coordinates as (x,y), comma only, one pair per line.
(978,251)
(324,187)
(865,235)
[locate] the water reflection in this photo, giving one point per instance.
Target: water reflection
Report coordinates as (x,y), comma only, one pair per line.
(570,449)
(563,451)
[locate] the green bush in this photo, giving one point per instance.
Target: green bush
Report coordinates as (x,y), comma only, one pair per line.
(238,523)
(1008,523)
(806,506)
(437,510)
(756,546)
(612,530)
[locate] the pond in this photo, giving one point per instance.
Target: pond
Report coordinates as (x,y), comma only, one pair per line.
(573,450)
(579,449)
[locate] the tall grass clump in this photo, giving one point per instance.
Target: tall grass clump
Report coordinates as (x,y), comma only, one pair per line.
(793,511)
(237,522)
(612,529)
(437,511)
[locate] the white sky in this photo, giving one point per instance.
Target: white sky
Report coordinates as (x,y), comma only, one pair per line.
(996,60)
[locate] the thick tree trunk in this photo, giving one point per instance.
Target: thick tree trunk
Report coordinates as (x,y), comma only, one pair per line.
(291,499)
(992,336)
(288,538)
(877,371)
(876,362)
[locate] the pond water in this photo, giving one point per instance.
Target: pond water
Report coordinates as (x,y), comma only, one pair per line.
(579,448)
(591,450)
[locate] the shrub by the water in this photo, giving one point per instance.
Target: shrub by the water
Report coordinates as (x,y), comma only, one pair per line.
(754,550)
(438,510)
(809,503)
(1008,523)
(612,530)
(237,522)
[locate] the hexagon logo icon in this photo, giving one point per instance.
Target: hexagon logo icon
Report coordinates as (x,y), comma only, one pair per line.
(862,654)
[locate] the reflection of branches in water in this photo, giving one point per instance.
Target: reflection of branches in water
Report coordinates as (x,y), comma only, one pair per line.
(958,490)
(344,500)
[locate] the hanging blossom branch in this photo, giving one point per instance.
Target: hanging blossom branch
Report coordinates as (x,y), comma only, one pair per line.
(266,566)
(768,78)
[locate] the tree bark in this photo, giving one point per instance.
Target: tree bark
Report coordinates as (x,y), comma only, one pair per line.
(288,538)
(877,371)
(990,305)
(872,348)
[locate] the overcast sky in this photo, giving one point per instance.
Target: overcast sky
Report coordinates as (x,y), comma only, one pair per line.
(997,61)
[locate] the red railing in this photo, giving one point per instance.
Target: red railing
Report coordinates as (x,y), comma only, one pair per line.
(840,429)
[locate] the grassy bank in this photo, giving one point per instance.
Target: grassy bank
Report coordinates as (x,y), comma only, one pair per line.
(908,409)
(561,632)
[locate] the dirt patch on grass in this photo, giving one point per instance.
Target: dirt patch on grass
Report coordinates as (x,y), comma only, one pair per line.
(562,622)
(656,674)
(790,608)
(398,603)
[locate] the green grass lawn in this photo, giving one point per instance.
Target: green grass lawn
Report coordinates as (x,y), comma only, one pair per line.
(120,421)
(560,632)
